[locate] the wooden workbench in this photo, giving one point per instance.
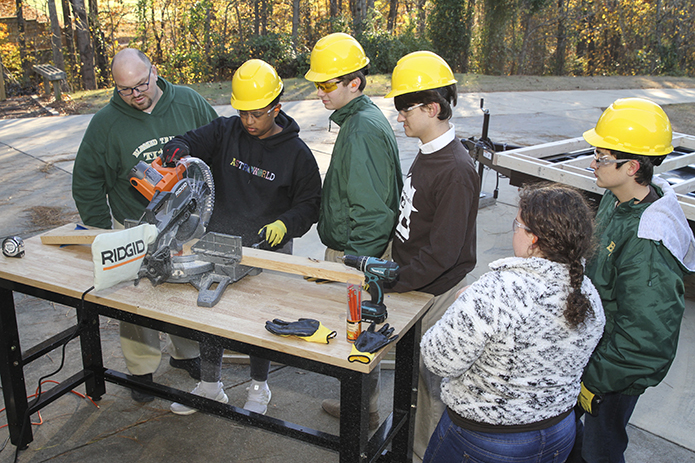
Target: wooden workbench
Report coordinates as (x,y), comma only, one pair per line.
(63,274)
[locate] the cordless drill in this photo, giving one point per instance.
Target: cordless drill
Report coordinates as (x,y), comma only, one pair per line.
(376,272)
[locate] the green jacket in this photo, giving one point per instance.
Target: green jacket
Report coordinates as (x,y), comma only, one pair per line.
(640,282)
(362,187)
(118,136)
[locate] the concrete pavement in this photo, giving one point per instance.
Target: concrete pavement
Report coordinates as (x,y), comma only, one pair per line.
(38,155)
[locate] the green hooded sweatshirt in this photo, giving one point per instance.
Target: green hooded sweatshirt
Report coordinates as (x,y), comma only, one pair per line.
(119,136)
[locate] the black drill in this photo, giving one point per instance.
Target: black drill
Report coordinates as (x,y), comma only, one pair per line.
(376,272)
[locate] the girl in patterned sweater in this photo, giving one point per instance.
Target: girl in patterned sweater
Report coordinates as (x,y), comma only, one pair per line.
(513,346)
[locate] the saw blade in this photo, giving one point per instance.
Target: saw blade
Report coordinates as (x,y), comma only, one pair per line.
(202,191)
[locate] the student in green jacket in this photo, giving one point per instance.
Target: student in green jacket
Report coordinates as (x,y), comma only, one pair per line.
(644,248)
(362,187)
(144,113)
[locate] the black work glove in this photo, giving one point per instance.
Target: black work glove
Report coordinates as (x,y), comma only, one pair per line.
(173,151)
(369,342)
(306,329)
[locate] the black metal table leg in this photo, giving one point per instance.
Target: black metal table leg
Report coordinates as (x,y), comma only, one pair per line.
(405,392)
(12,373)
(90,342)
(354,416)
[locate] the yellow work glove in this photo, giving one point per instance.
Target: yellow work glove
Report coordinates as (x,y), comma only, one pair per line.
(369,342)
(589,401)
(305,328)
(274,232)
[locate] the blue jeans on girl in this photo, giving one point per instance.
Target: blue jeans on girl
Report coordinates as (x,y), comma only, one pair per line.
(452,444)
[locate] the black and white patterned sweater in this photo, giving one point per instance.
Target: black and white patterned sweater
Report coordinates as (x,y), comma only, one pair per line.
(504,349)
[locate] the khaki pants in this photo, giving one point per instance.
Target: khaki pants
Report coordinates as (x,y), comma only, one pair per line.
(143,353)
(141,348)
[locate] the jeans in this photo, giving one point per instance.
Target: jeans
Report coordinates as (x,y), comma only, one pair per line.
(603,439)
(451,444)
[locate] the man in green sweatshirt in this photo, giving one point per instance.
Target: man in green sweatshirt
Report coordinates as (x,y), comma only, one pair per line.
(144,113)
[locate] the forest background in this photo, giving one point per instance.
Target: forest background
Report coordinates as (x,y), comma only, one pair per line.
(199,41)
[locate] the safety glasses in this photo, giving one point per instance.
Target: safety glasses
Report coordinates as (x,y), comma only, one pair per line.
(327,87)
(255,115)
(404,112)
(603,160)
(517,225)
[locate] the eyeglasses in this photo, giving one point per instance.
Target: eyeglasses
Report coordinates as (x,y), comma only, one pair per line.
(404,112)
(517,225)
(257,115)
(142,88)
(603,160)
(327,87)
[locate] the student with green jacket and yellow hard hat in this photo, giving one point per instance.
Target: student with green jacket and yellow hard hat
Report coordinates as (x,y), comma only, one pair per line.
(645,246)
(267,186)
(363,183)
(362,186)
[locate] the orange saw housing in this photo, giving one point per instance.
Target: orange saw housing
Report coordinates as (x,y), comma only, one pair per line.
(151,178)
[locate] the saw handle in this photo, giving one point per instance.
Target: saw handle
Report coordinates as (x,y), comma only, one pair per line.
(150,178)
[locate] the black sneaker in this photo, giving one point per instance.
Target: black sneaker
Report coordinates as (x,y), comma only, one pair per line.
(142,397)
(192,366)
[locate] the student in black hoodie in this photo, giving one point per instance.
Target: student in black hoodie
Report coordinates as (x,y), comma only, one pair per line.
(267,185)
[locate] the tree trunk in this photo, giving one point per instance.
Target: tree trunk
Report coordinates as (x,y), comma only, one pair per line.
(561,39)
(69,35)
(21,39)
(421,17)
(3,95)
(85,46)
(359,13)
(334,8)
(56,41)
(295,24)
(97,34)
(393,13)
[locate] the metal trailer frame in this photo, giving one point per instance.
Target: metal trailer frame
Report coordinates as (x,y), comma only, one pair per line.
(567,162)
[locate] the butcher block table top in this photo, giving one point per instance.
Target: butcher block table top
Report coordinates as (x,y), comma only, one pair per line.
(240,314)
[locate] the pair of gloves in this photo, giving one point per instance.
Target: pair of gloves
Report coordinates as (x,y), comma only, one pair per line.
(367,344)
(176,149)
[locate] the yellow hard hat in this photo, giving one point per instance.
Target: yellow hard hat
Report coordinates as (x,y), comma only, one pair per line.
(255,85)
(335,55)
(420,70)
(633,125)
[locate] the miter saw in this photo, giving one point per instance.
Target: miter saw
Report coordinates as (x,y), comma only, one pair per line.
(181,201)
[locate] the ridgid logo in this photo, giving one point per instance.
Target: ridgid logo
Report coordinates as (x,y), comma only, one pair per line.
(113,258)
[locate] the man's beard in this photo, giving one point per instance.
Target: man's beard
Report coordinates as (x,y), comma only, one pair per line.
(142,106)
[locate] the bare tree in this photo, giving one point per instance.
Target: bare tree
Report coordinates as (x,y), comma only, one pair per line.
(97,34)
(393,13)
(56,36)
(21,39)
(85,45)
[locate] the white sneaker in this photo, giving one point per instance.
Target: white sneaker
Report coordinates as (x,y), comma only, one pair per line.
(217,395)
(258,398)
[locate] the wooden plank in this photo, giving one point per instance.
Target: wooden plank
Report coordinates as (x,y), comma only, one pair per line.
(68,235)
(269,260)
(298,265)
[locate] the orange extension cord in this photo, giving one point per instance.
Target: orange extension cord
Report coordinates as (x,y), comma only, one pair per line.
(39,413)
